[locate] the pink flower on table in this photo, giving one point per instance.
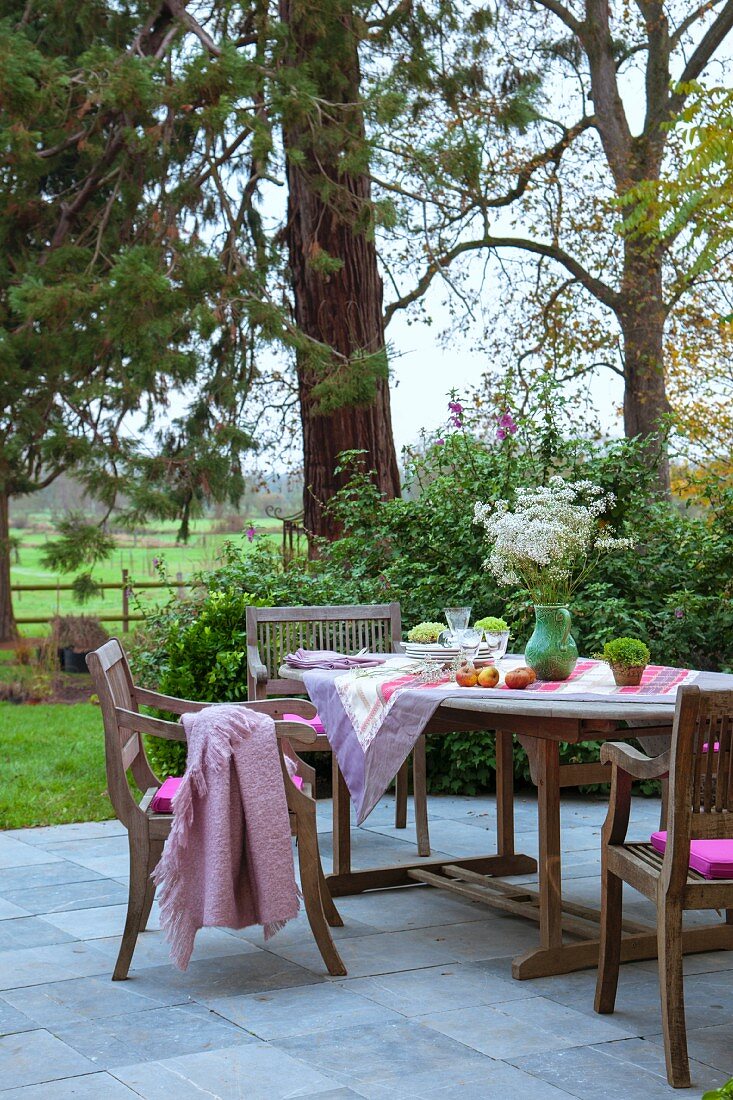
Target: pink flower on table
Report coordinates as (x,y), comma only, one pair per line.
(250,532)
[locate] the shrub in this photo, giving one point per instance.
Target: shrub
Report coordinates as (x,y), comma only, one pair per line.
(194,649)
(626,653)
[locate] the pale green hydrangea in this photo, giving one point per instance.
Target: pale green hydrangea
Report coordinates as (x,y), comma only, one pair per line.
(424,633)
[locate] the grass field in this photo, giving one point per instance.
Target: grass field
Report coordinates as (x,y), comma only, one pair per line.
(136,553)
(51,765)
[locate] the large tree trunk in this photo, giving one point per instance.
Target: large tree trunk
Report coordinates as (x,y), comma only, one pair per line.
(336,285)
(642,318)
(8,629)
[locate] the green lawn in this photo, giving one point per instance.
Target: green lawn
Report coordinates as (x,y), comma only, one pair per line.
(51,765)
(137,555)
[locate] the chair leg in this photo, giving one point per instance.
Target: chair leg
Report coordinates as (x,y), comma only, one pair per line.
(139,881)
(400,806)
(609,953)
(420,796)
(309,861)
(154,854)
(669,950)
(330,911)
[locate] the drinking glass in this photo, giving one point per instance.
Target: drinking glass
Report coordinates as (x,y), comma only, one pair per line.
(497,641)
(469,640)
(457,619)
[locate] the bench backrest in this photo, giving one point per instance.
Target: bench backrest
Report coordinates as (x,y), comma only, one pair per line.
(277,631)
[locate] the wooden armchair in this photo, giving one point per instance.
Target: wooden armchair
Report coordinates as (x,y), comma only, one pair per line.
(699,763)
(120,700)
(273,632)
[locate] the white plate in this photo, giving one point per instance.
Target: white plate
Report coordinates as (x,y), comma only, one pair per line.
(415,649)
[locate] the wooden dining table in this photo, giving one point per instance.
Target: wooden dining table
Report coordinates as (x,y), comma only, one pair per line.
(568,932)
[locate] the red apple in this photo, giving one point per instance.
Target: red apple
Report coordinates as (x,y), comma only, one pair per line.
(466,676)
(519,678)
(488,677)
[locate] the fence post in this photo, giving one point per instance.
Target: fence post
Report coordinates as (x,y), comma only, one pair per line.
(181,593)
(125,602)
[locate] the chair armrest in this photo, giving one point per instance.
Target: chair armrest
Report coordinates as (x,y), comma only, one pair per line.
(255,665)
(158,727)
(634,762)
(143,723)
(167,702)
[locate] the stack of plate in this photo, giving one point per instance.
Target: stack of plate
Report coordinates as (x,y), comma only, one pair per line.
(437,652)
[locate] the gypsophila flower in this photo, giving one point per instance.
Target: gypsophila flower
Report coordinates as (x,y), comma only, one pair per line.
(550,539)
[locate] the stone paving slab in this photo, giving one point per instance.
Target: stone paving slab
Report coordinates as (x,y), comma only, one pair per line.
(428,1011)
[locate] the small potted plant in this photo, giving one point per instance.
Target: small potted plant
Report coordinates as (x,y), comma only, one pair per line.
(627,658)
(496,633)
(77,635)
(425,633)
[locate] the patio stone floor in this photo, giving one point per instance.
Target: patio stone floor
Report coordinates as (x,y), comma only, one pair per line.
(429,1009)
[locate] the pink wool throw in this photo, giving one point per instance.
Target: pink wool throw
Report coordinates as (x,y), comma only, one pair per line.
(228,861)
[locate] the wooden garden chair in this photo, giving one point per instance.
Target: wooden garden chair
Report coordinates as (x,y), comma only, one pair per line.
(699,763)
(273,632)
(120,700)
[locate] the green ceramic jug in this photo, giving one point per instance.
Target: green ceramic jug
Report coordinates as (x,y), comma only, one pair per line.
(551,651)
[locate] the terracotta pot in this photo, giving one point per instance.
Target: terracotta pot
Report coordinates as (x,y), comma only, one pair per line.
(627,676)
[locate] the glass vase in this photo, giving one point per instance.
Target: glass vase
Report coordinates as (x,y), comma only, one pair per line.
(551,651)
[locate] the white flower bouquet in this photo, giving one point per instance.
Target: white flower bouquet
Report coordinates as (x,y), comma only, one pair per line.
(550,540)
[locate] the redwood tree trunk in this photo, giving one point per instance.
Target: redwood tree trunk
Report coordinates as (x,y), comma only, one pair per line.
(8,629)
(337,289)
(642,318)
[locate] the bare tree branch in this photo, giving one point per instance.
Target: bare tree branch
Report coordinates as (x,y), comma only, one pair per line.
(596,286)
(691,19)
(706,47)
(562,13)
(178,8)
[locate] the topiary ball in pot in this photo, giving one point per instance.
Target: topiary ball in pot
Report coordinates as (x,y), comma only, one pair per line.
(627,658)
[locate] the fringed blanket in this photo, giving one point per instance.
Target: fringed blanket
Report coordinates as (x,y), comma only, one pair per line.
(228,861)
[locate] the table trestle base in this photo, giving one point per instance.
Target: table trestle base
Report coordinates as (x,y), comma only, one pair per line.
(544,962)
(381,878)
(638,942)
(580,920)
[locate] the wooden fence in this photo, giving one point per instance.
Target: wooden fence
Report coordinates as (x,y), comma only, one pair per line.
(125,586)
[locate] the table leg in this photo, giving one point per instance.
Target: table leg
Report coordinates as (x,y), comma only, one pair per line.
(341,822)
(504,793)
(550,872)
(546,774)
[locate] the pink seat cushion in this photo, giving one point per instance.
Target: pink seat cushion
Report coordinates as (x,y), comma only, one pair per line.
(712,858)
(163,801)
(314,723)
